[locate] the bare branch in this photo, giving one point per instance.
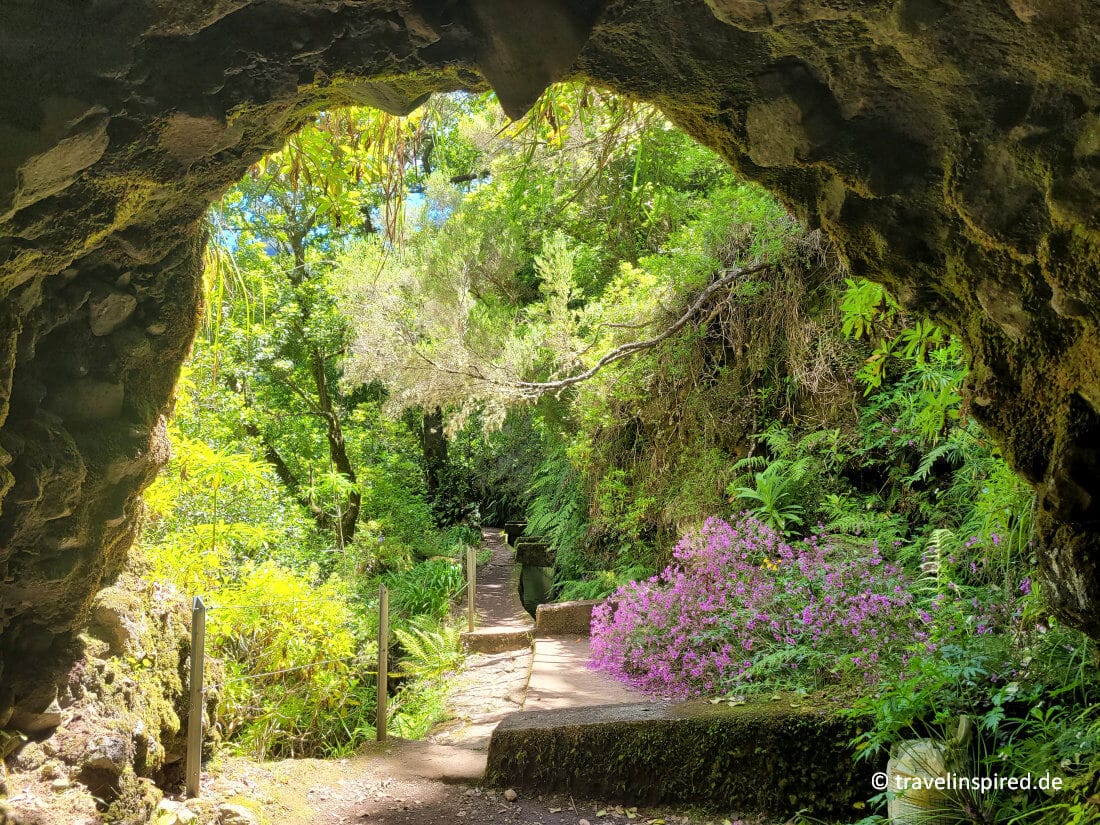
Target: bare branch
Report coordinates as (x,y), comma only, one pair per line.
(534,389)
(626,350)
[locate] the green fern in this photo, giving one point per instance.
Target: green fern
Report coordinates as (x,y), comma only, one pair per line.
(945,449)
(934,573)
(430,648)
(778,440)
(750,464)
(558,510)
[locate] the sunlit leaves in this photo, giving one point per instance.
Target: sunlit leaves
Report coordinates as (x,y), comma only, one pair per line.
(864,307)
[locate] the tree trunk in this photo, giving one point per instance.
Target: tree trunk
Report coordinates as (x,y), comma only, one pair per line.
(348,518)
(337,448)
(433,443)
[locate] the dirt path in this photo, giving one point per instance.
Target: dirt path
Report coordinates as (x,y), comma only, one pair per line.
(498,603)
(436,782)
(490,685)
(412,783)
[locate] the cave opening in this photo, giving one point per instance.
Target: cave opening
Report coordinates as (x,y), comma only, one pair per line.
(948,152)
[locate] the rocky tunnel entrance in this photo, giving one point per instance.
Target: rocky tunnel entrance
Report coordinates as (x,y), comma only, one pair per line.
(951,151)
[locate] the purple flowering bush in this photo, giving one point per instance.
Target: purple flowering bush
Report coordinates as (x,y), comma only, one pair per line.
(739,606)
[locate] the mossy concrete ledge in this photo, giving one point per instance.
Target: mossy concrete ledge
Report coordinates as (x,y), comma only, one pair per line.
(766,758)
(534,551)
(565,618)
(496,639)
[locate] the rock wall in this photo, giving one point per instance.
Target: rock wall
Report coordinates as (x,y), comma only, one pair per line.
(951,150)
(106,724)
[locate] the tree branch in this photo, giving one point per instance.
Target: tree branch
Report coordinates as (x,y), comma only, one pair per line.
(627,350)
(535,389)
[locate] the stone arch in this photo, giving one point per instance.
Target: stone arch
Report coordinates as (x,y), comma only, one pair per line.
(950,150)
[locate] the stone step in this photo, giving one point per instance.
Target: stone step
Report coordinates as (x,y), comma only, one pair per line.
(496,639)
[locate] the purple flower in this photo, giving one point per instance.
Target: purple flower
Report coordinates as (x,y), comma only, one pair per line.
(742,587)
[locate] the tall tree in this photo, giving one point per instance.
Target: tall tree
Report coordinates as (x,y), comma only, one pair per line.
(342,177)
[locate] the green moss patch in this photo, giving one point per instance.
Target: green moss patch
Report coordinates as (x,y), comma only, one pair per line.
(535,552)
(767,757)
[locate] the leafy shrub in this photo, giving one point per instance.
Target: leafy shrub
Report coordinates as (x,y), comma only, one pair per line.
(427,589)
(429,648)
(739,606)
(599,584)
(429,657)
(215,509)
(400,513)
(1030,686)
(559,510)
(296,660)
(773,494)
(459,536)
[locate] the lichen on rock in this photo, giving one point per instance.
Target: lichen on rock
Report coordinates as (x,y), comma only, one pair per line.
(111,729)
(948,150)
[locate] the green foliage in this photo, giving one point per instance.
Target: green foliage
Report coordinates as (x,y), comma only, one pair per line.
(341,309)
(295,654)
(493,470)
(289,493)
(559,510)
(427,589)
(1035,708)
(864,307)
(400,520)
(429,648)
(773,497)
(601,583)
(428,659)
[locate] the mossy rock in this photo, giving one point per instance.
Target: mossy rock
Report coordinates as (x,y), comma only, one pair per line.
(766,757)
(513,530)
(534,551)
(241,810)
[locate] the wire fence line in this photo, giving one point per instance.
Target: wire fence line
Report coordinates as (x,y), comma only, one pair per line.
(198,689)
(253,676)
(254,605)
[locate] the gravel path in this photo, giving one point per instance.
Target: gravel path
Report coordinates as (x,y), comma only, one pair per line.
(411,783)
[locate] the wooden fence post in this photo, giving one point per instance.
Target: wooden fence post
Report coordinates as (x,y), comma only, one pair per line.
(383,660)
(194,719)
(471,584)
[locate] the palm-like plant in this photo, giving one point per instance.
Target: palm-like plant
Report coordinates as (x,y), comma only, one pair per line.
(773,498)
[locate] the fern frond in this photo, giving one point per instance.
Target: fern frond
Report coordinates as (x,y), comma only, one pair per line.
(948,449)
(430,648)
(750,464)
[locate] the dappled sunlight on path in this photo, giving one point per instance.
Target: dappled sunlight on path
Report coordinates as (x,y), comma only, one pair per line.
(561,678)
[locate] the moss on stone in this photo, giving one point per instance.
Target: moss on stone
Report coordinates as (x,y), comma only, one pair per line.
(949,150)
(765,757)
(122,704)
